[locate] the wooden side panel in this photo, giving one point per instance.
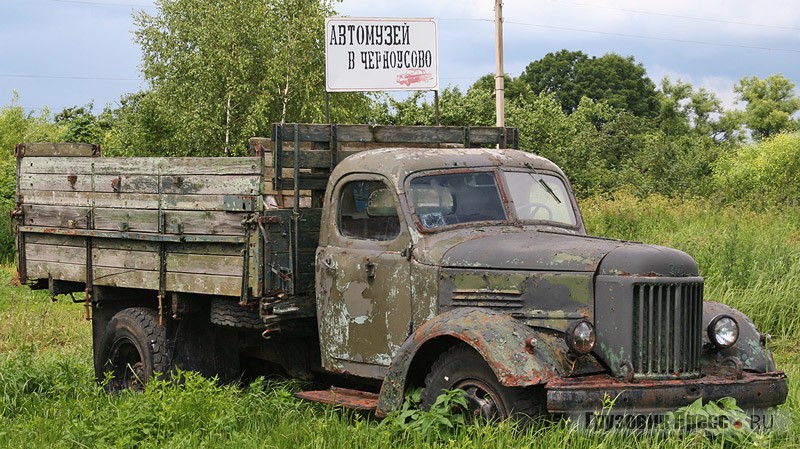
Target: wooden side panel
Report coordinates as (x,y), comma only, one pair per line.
(47,149)
(129,196)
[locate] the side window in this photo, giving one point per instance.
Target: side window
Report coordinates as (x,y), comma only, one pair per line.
(367,211)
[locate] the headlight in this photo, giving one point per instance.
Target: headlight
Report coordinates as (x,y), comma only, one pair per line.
(723,331)
(580,337)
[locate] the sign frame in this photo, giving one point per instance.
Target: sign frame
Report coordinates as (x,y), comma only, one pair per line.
(369,54)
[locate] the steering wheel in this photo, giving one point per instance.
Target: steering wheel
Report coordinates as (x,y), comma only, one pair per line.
(534,209)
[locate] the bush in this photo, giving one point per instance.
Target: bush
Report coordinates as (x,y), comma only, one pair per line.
(763,174)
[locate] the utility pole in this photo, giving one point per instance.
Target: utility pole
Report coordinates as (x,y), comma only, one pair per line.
(499,78)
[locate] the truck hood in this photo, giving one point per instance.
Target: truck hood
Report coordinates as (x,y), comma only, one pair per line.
(553,251)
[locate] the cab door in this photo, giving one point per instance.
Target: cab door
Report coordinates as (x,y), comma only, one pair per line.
(363,278)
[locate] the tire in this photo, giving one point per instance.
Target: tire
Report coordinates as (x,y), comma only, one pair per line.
(228,312)
(132,350)
(462,367)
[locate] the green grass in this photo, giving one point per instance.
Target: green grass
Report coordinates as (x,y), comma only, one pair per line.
(48,397)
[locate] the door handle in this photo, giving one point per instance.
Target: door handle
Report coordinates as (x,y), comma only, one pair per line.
(327,262)
(370,266)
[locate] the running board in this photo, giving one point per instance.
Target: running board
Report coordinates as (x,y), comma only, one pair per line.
(354,399)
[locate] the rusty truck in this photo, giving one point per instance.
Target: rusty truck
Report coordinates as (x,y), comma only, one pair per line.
(375,259)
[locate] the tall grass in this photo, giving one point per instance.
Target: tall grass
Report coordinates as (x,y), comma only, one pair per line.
(749,259)
(48,397)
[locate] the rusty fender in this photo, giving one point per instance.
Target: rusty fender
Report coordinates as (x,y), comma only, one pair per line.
(518,354)
(750,348)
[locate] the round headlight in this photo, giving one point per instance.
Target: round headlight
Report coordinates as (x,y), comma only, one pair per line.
(723,331)
(580,337)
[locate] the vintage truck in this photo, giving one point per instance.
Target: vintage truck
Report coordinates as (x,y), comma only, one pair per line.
(374,259)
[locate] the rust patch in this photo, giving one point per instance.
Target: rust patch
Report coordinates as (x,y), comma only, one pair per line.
(353,399)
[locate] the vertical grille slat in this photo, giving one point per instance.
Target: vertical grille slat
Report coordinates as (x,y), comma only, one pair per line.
(667,329)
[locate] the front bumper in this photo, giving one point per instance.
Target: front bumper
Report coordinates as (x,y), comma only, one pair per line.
(582,398)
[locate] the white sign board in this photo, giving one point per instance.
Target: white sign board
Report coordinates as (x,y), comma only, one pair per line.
(370,54)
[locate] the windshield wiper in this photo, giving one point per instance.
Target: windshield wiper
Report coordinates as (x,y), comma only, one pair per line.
(538,178)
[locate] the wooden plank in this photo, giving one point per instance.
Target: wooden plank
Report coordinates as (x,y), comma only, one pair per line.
(55,240)
(99,244)
(142,279)
(57,182)
(55,253)
(59,165)
(355,133)
(177,184)
(210,249)
(124,220)
(48,149)
(89,183)
(55,216)
(131,260)
(216,166)
(418,134)
(56,198)
(123,277)
(204,264)
(125,200)
(211,185)
(38,269)
(205,284)
(485,135)
(206,223)
(144,165)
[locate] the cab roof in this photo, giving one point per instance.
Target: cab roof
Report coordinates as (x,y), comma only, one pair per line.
(397,163)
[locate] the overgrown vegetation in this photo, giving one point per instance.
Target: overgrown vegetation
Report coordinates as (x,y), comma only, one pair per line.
(750,259)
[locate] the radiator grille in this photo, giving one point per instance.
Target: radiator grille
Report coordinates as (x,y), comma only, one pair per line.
(667,321)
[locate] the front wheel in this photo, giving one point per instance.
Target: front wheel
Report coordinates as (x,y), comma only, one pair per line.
(461,367)
(133,348)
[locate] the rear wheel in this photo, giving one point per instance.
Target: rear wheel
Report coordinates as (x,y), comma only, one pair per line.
(133,348)
(461,367)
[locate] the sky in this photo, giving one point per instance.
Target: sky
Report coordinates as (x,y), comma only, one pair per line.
(64,53)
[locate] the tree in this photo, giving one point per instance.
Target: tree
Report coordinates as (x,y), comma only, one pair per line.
(570,76)
(81,125)
(686,111)
(557,74)
(221,72)
(515,88)
(18,126)
(770,105)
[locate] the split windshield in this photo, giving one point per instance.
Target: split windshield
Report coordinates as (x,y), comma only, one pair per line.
(446,199)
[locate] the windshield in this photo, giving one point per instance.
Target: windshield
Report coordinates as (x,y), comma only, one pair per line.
(540,197)
(453,198)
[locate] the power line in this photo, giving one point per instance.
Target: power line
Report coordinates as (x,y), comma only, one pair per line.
(57,77)
(104,4)
(635,36)
(703,19)
(666,39)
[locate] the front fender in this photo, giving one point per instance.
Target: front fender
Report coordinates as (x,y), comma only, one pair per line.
(750,348)
(499,339)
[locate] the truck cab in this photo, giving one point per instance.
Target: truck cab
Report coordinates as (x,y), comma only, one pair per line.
(434,259)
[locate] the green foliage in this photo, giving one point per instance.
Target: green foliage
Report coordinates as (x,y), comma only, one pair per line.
(81,125)
(223,72)
(686,111)
(440,423)
(17,126)
(766,173)
(771,104)
(614,79)
(721,420)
